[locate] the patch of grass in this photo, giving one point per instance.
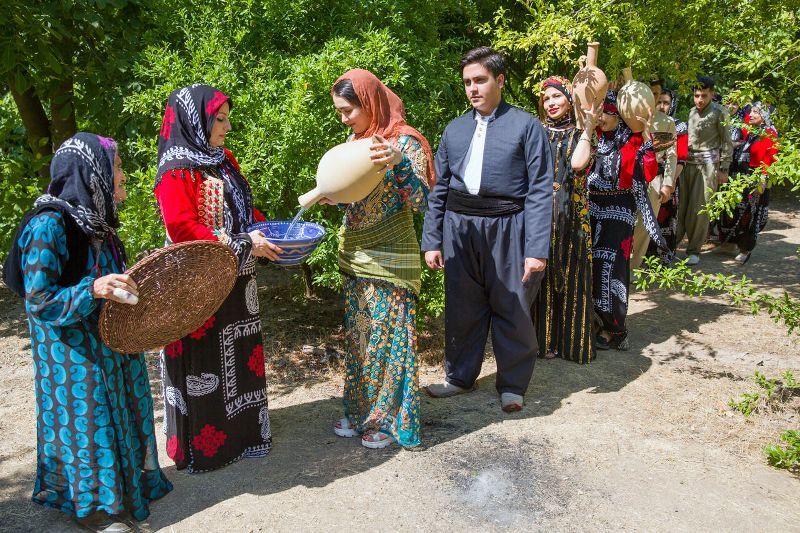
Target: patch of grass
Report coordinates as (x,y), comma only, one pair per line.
(785,457)
(772,393)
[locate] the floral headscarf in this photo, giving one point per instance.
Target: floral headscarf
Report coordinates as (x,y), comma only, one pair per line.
(387,111)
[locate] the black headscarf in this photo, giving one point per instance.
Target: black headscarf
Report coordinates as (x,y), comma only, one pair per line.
(82,182)
(680,126)
(765,113)
(82,191)
(604,173)
(184,138)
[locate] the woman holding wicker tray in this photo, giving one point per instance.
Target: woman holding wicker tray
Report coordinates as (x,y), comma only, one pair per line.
(97,458)
(215,390)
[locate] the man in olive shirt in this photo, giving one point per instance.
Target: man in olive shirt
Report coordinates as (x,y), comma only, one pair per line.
(710,151)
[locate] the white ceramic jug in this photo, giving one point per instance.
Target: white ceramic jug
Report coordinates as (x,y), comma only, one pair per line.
(345,174)
(635,99)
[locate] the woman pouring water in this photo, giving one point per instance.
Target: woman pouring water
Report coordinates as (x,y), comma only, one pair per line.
(215,390)
(379,257)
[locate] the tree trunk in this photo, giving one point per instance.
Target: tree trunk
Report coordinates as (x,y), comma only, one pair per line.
(308,280)
(62,110)
(34,119)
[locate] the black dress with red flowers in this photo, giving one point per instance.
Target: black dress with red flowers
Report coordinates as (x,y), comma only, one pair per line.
(215,391)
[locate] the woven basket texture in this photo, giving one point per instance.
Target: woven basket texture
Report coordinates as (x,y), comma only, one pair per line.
(180,287)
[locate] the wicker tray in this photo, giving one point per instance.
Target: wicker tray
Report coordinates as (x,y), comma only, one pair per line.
(180,287)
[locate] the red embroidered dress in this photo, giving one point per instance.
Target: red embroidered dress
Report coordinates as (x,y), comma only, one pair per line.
(215,393)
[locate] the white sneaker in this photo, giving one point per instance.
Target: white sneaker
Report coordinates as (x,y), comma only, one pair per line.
(692,260)
(743,257)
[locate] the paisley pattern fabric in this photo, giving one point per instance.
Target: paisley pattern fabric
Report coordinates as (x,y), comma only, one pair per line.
(215,387)
(96,444)
(382,381)
(563,308)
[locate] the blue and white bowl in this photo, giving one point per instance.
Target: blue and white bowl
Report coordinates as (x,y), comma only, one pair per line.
(305,238)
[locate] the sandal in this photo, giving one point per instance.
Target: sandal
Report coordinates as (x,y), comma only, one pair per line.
(343,428)
(376,440)
(551,354)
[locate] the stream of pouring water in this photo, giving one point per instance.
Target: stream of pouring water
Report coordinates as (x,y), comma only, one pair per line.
(289,234)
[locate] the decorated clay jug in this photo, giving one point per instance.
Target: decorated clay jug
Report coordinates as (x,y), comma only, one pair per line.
(345,174)
(663,130)
(589,85)
(635,99)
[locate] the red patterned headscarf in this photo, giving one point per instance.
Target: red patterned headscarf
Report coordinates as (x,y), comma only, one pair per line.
(564,86)
(387,111)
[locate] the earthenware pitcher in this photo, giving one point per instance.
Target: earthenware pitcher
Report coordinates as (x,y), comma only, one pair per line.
(589,85)
(345,174)
(635,99)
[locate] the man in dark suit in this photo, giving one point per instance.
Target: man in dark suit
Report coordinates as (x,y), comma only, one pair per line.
(488,225)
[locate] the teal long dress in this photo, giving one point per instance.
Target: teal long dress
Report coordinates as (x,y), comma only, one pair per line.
(96,444)
(382,381)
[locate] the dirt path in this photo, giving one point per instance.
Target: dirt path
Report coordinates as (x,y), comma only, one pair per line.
(640,440)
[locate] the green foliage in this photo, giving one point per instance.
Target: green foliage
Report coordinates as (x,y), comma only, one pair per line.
(277,60)
(740,291)
(785,172)
(17,164)
(747,403)
(788,456)
(772,393)
(678,41)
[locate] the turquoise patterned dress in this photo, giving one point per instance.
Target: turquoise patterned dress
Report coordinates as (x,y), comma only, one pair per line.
(96,448)
(382,381)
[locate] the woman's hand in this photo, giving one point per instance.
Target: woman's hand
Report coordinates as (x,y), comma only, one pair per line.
(591,116)
(104,287)
(326,201)
(263,248)
(648,124)
(384,153)
(666,193)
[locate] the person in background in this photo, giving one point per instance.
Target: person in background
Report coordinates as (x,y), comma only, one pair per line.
(623,165)
(657,86)
(756,153)
(707,163)
(563,308)
(667,212)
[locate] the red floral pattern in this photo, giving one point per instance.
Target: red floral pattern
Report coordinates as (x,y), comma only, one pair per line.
(174,450)
(209,440)
(200,332)
(626,246)
(166,124)
(174,350)
(215,103)
(256,361)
